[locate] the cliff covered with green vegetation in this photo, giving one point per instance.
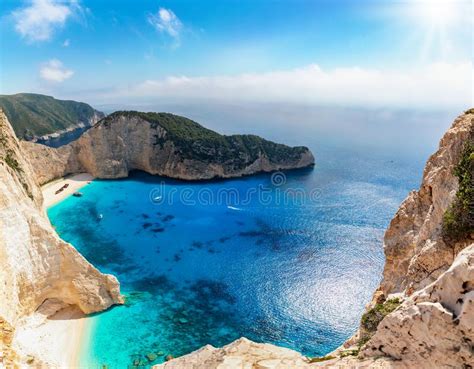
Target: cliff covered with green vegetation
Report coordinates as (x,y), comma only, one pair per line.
(163,144)
(195,142)
(458,222)
(34,115)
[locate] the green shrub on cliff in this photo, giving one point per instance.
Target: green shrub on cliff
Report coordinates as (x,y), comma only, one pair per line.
(11,161)
(35,114)
(372,318)
(321,359)
(458,222)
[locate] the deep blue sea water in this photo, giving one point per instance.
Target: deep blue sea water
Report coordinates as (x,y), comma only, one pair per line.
(288,259)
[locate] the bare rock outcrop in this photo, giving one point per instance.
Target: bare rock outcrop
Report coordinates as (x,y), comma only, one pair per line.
(51,163)
(36,266)
(241,353)
(433,328)
(163,144)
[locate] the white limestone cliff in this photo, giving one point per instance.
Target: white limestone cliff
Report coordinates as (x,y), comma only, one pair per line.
(434,327)
(415,251)
(39,273)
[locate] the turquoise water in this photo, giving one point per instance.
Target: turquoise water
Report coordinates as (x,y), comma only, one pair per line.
(288,259)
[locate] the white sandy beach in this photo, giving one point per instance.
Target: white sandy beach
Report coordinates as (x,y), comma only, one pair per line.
(56,340)
(75,182)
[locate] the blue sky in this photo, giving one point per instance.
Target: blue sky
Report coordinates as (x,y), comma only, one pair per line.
(355,53)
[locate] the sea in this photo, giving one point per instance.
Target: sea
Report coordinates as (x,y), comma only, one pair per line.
(289,258)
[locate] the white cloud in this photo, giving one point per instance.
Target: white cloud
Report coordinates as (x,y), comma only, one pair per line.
(54,71)
(66,43)
(166,21)
(439,85)
(37,21)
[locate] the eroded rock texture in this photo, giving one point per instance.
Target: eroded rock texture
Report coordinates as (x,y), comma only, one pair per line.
(433,328)
(416,254)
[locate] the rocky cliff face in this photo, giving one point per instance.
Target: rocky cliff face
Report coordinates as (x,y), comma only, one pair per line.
(422,315)
(39,273)
(163,144)
(416,254)
(434,326)
(241,353)
(51,163)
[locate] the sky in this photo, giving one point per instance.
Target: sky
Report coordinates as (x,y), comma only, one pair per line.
(411,54)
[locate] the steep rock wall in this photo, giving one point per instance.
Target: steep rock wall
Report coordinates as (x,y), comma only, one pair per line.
(50,163)
(415,252)
(434,326)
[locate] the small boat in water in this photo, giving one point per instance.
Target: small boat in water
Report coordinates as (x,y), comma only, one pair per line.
(233,208)
(77,194)
(100,216)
